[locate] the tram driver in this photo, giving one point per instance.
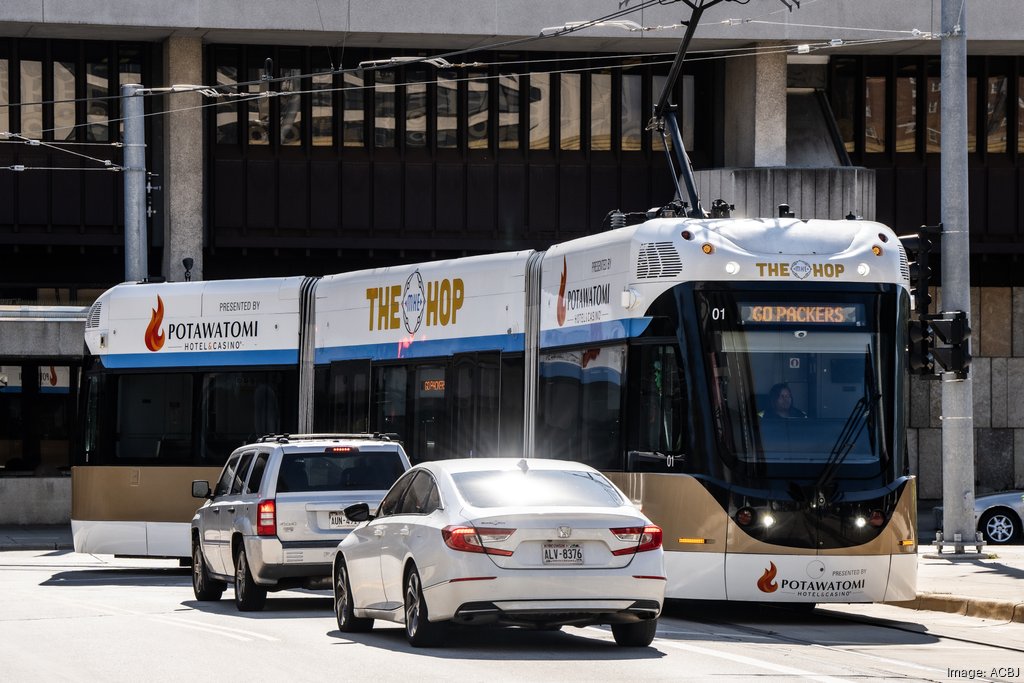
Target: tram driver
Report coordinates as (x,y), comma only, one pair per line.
(780,403)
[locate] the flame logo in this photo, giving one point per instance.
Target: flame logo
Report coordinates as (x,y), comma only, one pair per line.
(53,376)
(766,584)
(561,294)
(155,341)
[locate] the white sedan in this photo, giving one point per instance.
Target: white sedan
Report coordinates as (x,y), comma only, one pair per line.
(534,543)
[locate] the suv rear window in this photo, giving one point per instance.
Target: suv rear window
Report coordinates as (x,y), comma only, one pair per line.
(338,471)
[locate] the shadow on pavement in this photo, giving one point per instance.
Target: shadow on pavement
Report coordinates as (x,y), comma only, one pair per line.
(285,605)
(496,644)
(174,576)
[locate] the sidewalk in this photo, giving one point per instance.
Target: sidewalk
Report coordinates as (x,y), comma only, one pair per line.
(990,587)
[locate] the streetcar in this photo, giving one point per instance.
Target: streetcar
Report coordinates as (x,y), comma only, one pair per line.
(659,352)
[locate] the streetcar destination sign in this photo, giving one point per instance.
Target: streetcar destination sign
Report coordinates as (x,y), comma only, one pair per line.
(804,314)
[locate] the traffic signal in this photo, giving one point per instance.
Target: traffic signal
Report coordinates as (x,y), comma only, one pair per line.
(919,348)
(953,329)
(921,245)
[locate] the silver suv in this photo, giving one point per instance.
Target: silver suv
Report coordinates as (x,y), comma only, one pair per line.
(274,518)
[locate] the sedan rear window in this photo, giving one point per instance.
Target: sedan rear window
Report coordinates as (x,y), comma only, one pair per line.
(536,488)
(338,471)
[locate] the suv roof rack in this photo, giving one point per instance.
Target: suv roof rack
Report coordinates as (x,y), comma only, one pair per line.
(288,438)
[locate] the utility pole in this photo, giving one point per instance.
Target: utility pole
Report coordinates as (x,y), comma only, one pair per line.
(136,246)
(958,526)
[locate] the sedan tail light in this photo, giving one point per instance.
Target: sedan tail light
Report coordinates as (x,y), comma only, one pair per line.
(476,539)
(266,518)
(644,537)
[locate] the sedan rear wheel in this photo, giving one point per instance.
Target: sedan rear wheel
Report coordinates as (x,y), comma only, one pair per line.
(419,630)
(249,595)
(347,621)
(638,634)
(999,526)
(204,586)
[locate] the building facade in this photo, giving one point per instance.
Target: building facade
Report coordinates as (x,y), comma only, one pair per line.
(514,135)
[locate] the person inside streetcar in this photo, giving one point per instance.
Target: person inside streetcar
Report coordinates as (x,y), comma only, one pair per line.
(780,403)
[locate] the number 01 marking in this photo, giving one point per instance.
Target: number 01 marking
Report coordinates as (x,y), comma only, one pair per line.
(718,314)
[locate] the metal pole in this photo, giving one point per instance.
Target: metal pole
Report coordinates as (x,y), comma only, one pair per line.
(957,396)
(136,247)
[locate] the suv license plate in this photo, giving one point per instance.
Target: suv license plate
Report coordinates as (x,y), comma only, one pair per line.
(338,520)
(563,553)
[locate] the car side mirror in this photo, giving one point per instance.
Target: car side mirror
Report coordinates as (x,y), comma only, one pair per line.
(201,489)
(359,512)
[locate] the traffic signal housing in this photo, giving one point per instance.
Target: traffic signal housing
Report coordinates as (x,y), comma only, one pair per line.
(953,330)
(919,348)
(921,245)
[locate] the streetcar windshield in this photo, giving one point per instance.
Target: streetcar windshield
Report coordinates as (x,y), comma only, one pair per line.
(798,379)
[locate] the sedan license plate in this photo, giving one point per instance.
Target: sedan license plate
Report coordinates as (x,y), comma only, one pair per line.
(338,520)
(563,553)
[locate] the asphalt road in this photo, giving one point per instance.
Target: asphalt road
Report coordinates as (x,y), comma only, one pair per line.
(66,616)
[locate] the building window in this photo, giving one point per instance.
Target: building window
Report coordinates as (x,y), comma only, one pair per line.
(97,92)
(508,112)
(479,110)
(32,92)
(540,111)
(995,114)
(906,113)
(384,109)
(416,108)
(631,112)
(447,109)
(323,107)
(1020,114)
(258,107)
(353,114)
(226,113)
(601,112)
(290,107)
(569,111)
(874,114)
(934,117)
(64,100)
(5,97)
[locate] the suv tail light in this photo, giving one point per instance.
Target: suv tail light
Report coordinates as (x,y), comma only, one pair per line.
(644,537)
(266,518)
(473,540)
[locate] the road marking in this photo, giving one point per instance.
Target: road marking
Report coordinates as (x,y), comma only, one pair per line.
(750,661)
(226,631)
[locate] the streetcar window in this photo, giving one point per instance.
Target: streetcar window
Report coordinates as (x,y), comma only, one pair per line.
(657,402)
(239,407)
(154,417)
(795,381)
(580,405)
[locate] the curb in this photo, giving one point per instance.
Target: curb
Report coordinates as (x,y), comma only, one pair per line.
(1001,610)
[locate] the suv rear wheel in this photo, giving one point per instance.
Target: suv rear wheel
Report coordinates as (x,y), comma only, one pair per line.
(204,586)
(249,595)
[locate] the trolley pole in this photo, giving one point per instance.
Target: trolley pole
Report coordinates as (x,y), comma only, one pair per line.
(958,526)
(136,247)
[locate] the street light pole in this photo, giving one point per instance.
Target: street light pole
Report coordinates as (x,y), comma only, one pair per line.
(958,526)
(136,247)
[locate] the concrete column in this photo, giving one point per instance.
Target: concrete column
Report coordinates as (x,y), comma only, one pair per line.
(182,178)
(755,111)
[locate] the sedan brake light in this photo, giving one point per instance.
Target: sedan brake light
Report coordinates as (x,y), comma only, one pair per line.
(644,538)
(475,540)
(266,518)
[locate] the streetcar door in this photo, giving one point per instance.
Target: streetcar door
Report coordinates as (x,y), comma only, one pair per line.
(475,397)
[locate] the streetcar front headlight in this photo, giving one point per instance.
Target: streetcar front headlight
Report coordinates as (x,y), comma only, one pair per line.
(768,520)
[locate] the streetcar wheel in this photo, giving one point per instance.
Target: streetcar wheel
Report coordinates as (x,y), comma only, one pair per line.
(419,630)
(249,595)
(999,526)
(638,634)
(204,586)
(347,621)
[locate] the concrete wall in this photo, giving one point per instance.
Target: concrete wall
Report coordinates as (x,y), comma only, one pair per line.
(997,373)
(35,500)
(428,23)
(810,193)
(755,110)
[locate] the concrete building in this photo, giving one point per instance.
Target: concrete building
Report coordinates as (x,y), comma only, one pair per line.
(514,138)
